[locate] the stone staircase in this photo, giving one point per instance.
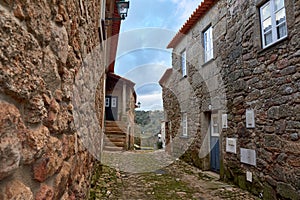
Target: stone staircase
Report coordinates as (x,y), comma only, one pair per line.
(115,136)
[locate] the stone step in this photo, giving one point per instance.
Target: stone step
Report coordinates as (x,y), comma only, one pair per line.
(115,134)
(114,144)
(108,148)
(115,123)
(114,139)
(115,128)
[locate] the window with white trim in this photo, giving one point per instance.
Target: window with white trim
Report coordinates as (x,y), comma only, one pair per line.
(183,63)
(184,124)
(273,22)
(107,102)
(208,44)
(113,102)
(215,126)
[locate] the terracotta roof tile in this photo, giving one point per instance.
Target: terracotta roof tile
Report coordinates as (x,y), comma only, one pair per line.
(193,19)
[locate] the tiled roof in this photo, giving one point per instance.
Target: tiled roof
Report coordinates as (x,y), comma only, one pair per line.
(193,19)
(117,78)
(165,76)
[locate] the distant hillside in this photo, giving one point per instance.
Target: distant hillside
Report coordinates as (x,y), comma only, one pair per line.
(149,121)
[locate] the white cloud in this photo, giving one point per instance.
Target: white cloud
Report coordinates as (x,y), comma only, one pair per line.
(185,8)
(146,74)
(151,102)
(135,61)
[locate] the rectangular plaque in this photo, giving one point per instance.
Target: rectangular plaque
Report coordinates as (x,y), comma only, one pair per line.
(231,145)
(250,121)
(224,121)
(248,156)
(249,176)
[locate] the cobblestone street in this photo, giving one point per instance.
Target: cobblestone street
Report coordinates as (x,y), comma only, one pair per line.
(176,181)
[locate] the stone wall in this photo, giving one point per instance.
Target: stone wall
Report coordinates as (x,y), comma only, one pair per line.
(199,94)
(242,76)
(43,47)
(266,80)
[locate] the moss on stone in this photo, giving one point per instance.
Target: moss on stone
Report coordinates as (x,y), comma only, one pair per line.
(268,192)
(242,182)
(287,191)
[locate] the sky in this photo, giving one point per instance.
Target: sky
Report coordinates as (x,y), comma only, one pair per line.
(142,54)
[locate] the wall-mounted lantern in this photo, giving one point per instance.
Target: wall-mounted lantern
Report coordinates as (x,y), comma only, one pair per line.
(122,7)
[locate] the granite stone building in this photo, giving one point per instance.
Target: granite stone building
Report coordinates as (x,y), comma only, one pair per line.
(53,58)
(234,92)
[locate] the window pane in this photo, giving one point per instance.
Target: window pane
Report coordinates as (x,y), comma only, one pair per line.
(183,63)
(205,40)
(268,38)
(114,102)
(266,11)
(281,31)
(267,25)
(280,16)
(106,102)
(184,124)
(279,4)
(208,44)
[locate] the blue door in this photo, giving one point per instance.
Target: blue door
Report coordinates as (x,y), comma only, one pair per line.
(215,144)
(215,154)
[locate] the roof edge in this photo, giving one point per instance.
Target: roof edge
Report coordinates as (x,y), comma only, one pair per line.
(193,19)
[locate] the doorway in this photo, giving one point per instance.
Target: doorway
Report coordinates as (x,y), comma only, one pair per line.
(111,108)
(214,143)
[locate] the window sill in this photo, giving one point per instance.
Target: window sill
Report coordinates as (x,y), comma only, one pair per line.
(272,46)
(208,62)
(184,137)
(183,77)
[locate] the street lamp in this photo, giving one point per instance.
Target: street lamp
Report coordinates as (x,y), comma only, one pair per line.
(122,7)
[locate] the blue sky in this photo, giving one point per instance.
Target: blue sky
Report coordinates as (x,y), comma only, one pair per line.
(142,54)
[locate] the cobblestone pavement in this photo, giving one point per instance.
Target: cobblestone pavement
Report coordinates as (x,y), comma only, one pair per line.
(175,181)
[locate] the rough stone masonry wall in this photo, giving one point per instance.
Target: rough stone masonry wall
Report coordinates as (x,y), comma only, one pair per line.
(42,47)
(269,82)
(202,87)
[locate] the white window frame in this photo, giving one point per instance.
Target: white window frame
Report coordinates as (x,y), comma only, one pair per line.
(107,102)
(114,102)
(208,44)
(274,26)
(215,123)
(184,124)
(183,63)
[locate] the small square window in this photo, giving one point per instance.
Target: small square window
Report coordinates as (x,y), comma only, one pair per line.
(183,63)
(273,22)
(208,44)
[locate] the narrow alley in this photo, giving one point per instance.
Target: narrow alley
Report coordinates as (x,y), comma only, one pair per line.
(176,181)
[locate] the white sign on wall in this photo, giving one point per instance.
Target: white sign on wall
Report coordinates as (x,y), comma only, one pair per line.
(248,156)
(231,145)
(224,121)
(250,121)
(249,176)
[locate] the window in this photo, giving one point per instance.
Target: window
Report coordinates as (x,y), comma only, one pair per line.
(107,102)
(113,102)
(273,22)
(208,44)
(215,126)
(183,63)
(184,124)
